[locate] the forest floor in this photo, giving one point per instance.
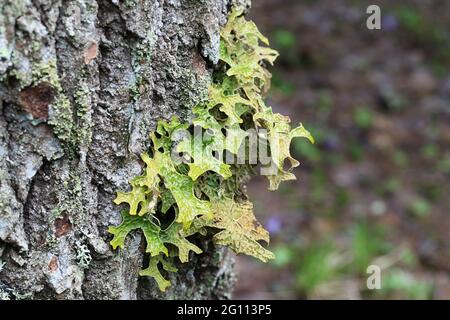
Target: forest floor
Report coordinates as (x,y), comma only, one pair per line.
(375,187)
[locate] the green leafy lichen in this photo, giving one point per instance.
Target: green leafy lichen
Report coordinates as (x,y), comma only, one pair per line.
(156,237)
(205,194)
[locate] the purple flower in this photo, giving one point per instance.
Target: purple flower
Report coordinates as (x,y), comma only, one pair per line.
(389,22)
(273,224)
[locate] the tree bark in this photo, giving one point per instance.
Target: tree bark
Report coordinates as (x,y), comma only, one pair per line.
(83,83)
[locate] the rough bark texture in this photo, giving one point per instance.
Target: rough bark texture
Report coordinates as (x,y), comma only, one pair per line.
(83,82)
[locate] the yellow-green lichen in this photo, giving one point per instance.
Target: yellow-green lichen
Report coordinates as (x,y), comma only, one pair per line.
(204,195)
(61,115)
(61,118)
(70,120)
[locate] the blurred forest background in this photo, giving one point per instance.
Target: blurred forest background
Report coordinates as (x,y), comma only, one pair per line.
(375,188)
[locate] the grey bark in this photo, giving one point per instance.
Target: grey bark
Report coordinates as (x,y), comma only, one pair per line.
(83,83)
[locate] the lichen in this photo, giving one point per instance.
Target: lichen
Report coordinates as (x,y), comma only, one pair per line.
(83,131)
(46,72)
(71,197)
(131,3)
(69,201)
(61,118)
(84,257)
(204,194)
(21,296)
(4,295)
(61,115)
(142,54)
(71,120)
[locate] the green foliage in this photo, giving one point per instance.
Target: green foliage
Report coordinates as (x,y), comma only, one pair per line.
(325,265)
(411,19)
(317,265)
(363,117)
(205,194)
(430,151)
(284,39)
(402,283)
(282,86)
(420,207)
(367,244)
(283,256)
(355,150)
(428,34)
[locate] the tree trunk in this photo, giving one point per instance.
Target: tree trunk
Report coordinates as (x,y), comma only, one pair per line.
(83,83)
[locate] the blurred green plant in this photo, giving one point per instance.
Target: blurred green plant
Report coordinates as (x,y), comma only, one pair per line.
(324,101)
(430,151)
(363,117)
(444,164)
(342,198)
(310,152)
(420,208)
(355,150)
(411,19)
(281,85)
(431,191)
(390,186)
(283,256)
(284,39)
(400,158)
(427,34)
(367,244)
(399,283)
(316,265)
(322,262)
